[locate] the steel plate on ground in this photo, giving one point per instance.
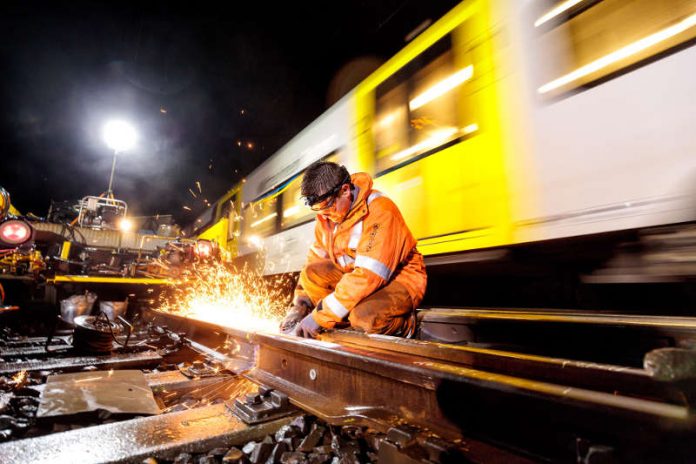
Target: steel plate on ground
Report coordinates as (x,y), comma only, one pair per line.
(115,391)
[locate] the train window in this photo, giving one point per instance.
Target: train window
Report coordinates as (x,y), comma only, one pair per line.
(391,123)
(434,116)
(203,221)
(610,37)
(295,212)
(226,207)
(418,109)
(260,218)
(230,210)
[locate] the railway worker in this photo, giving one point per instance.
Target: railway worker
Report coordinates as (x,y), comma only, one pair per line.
(363,269)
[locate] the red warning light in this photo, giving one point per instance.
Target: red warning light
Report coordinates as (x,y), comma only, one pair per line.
(14,232)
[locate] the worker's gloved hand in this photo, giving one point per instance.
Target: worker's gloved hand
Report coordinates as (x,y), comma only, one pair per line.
(308,328)
(294,316)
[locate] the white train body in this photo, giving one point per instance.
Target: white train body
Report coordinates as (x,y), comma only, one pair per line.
(610,153)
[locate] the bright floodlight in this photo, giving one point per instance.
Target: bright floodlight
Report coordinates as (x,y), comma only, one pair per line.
(119,135)
(125,225)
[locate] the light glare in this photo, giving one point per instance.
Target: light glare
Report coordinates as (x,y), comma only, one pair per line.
(119,135)
(442,87)
(557,10)
(264,219)
(125,224)
(291,211)
(436,138)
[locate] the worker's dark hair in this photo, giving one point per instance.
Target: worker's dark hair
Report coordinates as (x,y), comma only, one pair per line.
(321,179)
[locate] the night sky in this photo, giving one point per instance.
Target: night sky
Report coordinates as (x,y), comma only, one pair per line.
(212,90)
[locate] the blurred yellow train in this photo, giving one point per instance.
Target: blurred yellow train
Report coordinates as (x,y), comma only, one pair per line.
(506,123)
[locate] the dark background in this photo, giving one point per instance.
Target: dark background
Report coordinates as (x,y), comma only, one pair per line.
(213,90)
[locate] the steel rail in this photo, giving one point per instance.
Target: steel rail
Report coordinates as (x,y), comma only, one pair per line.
(590,375)
(378,382)
(560,316)
(394,369)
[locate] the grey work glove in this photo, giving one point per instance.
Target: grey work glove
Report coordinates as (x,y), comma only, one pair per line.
(308,328)
(294,316)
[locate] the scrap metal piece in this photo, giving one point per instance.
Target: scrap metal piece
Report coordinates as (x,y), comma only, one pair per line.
(266,405)
(124,391)
(161,437)
(198,369)
(145,359)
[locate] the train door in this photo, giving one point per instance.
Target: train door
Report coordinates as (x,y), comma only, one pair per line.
(435,138)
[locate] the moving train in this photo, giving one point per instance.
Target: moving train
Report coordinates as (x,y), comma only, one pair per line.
(505,125)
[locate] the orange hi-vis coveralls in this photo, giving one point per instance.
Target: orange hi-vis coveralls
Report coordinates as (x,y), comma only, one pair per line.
(366,268)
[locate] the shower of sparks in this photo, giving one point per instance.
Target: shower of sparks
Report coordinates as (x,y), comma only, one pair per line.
(240,299)
(192,193)
(198,184)
(19,378)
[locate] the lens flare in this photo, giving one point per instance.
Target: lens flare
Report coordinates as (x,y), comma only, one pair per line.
(236,298)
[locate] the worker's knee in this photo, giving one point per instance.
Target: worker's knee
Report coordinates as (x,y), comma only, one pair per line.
(363,318)
(387,324)
(383,312)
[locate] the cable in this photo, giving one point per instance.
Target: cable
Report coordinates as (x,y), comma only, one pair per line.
(93,339)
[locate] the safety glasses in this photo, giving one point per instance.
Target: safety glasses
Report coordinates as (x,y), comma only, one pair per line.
(324,205)
(326,200)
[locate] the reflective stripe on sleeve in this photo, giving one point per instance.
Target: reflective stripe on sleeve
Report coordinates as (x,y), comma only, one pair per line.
(335,306)
(319,252)
(355,234)
(373,265)
(345,260)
